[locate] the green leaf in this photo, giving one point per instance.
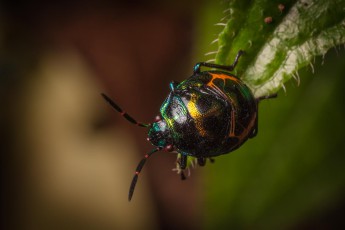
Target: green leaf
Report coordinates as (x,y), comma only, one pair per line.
(275,51)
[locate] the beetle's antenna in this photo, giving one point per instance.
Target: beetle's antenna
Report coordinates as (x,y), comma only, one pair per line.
(138,170)
(123,113)
(217,66)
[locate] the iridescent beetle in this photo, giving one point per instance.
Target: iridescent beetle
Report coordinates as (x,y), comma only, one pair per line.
(209,114)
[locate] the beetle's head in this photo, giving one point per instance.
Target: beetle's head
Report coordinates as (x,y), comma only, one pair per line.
(159,134)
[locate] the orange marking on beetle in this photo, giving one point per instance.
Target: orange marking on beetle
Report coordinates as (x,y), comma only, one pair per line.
(223,77)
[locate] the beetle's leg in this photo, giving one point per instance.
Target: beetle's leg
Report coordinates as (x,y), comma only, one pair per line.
(183,177)
(173,85)
(183,161)
(201,161)
(223,67)
(123,113)
(256,126)
(183,165)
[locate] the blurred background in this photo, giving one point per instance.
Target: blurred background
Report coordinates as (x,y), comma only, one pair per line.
(68,158)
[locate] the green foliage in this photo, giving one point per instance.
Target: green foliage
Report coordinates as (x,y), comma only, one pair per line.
(277,50)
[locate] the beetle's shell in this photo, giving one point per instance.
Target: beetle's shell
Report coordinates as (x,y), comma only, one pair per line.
(209,114)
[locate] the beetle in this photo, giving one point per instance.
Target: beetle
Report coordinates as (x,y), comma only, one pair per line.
(209,114)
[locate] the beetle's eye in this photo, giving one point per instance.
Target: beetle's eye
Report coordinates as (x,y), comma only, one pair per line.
(169,148)
(158,118)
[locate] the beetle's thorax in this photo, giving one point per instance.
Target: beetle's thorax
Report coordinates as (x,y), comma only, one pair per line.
(159,134)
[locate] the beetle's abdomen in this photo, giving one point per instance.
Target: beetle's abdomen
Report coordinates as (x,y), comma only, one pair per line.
(209,114)
(244,107)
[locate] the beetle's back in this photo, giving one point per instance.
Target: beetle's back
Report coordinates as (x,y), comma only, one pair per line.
(209,114)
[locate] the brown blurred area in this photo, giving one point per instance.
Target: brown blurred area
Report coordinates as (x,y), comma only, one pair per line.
(68,158)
